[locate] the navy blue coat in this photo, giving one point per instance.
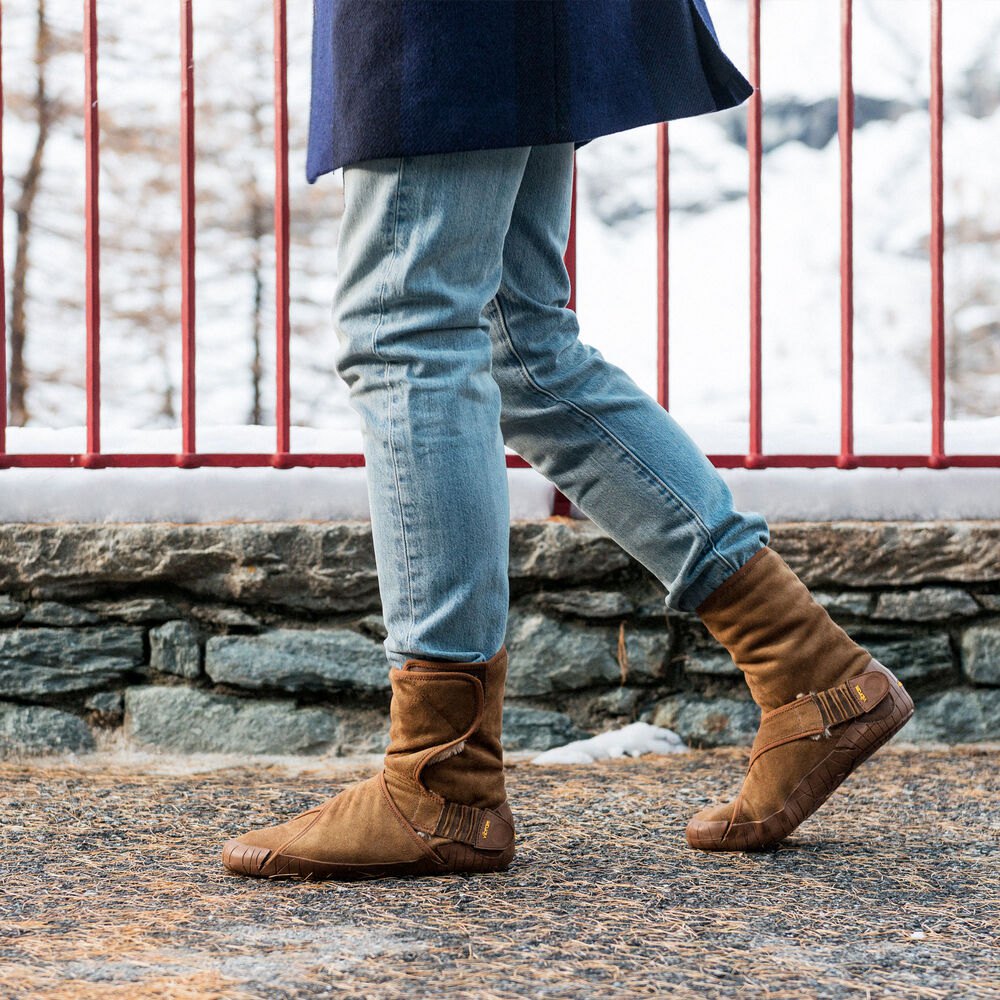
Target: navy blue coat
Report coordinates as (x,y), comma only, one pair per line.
(399,77)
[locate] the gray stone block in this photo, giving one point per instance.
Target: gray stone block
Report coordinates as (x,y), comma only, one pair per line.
(584,603)
(373,626)
(108,704)
(648,654)
(32,729)
(649,597)
(362,730)
(711,663)
(574,550)
(527,728)
(989,601)
(43,661)
(653,610)
(227,617)
(10,610)
(702,653)
(844,603)
(186,720)
(715,722)
(298,660)
(926,604)
(136,610)
(962,715)
(981,654)
(328,566)
(833,554)
(911,658)
(173,649)
(620,703)
(59,615)
(547,655)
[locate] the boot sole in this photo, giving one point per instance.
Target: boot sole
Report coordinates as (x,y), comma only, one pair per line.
(860,739)
(257,862)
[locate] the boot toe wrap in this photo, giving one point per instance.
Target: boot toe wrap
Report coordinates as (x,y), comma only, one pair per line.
(842,734)
(438,805)
(785,643)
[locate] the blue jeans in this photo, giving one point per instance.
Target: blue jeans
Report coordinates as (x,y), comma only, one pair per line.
(454,338)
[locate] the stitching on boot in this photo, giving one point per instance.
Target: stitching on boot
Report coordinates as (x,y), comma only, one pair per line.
(435,708)
(280,850)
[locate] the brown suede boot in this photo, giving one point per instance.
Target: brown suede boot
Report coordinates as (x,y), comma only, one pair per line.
(827,704)
(439,804)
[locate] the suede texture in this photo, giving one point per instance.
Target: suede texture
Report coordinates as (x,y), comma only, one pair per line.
(468,707)
(444,756)
(787,646)
(784,642)
(356,827)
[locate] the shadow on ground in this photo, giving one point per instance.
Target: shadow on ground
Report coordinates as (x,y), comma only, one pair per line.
(111,886)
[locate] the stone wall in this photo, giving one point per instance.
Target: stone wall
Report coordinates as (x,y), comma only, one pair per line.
(264,637)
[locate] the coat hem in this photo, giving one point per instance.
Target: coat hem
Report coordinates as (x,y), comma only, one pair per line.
(736,95)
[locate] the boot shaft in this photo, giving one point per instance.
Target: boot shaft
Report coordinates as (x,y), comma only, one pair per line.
(445,728)
(777,634)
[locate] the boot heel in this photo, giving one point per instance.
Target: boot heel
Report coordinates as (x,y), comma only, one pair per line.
(868,736)
(462,858)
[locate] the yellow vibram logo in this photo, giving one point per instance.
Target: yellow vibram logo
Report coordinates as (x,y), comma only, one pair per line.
(861,694)
(486,829)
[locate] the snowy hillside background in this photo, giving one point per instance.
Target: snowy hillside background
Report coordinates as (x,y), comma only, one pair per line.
(616,293)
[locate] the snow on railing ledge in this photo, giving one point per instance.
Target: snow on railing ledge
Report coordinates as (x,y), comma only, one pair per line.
(216,494)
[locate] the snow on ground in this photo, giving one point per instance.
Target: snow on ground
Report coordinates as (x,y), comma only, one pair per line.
(630,741)
(249,494)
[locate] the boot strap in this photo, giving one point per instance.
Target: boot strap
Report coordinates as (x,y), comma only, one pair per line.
(815,713)
(482,828)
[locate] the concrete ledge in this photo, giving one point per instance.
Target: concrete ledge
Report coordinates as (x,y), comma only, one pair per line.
(323,565)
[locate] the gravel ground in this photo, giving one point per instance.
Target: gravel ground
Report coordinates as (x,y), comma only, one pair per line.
(111,886)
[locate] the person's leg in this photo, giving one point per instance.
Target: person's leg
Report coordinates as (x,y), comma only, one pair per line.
(420,255)
(588,427)
(627,464)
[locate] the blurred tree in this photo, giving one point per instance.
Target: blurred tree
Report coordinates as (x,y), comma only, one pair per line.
(46,110)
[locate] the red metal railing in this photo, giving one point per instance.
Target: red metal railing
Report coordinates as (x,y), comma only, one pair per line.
(283,456)
(755,457)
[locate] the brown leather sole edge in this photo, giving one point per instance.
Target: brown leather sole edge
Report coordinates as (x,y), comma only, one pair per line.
(257,862)
(859,740)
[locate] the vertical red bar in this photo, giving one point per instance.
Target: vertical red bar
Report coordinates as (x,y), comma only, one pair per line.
(845,127)
(936,458)
(754,148)
(91,139)
(663,265)
(283,396)
(3,271)
(570,255)
(188,421)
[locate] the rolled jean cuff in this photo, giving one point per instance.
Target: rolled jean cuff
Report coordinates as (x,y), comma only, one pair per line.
(715,573)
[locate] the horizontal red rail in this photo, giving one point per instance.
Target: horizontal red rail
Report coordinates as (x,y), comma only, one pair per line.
(291,460)
(756,457)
